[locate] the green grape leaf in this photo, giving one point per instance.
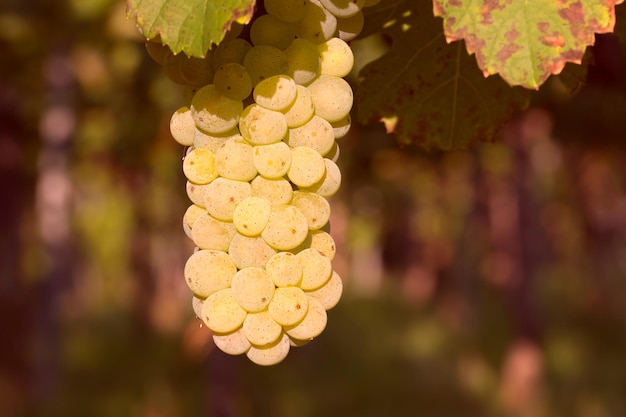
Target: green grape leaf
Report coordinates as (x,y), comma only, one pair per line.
(525,41)
(190,26)
(429,92)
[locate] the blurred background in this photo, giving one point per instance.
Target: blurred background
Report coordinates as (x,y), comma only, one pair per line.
(486,282)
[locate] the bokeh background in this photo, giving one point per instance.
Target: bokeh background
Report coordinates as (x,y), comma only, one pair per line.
(485,282)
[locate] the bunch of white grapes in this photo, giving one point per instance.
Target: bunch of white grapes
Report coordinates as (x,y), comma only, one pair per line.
(261,128)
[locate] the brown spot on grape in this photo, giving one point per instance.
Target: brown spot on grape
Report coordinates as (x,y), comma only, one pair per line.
(231,199)
(293,231)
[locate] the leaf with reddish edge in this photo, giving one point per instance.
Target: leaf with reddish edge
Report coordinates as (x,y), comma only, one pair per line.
(190,26)
(525,41)
(427,91)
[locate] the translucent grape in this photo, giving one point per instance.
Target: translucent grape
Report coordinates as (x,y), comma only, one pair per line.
(261,126)
(248,251)
(204,140)
(268,30)
(182,126)
(314,207)
(158,52)
(210,233)
(213,112)
(253,288)
(196,305)
(303,61)
(336,57)
(234,343)
(334,153)
(330,182)
(312,325)
(330,293)
(196,71)
(263,61)
(301,110)
(332,97)
(317,25)
(287,228)
(233,81)
(284,269)
(251,216)
(307,166)
(272,161)
(270,354)
(223,195)
(289,11)
(289,305)
(277,92)
(323,242)
(199,166)
(317,134)
(208,271)
(342,127)
(350,27)
(231,50)
(261,329)
(233,160)
(277,191)
(222,313)
(316,269)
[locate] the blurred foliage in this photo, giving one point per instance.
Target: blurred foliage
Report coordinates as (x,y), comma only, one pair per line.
(486,282)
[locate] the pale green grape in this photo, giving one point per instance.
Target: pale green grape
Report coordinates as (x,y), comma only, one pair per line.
(278,192)
(208,271)
(307,166)
(330,293)
(303,61)
(263,61)
(270,354)
(314,207)
(323,242)
(233,81)
(210,233)
(260,328)
(336,57)
(350,27)
(234,343)
(196,193)
(222,313)
(318,24)
(204,140)
(317,134)
(289,305)
(272,161)
(284,269)
(171,67)
(330,182)
(251,216)
(289,11)
(213,112)
(182,126)
(261,126)
(230,50)
(233,160)
(191,214)
(312,325)
(223,195)
(248,251)
(196,71)
(199,166)
(268,30)
(301,110)
(332,97)
(286,228)
(277,92)
(342,127)
(316,269)
(253,288)
(343,8)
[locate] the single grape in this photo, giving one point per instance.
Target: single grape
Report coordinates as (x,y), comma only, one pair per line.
(316,269)
(314,207)
(289,305)
(317,134)
(251,215)
(222,313)
(301,110)
(230,50)
(223,195)
(277,191)
(253,288)
(191,214)
(182,126)
(289,11)
(264,61)
(277,92)
(233,160)
(268,30)
(199,166)
(332,97)
(330,182)
(303,61)
(287,228)
(336,57)
(312,325)
(208,271)
(272,161)
(233,81)
(260,329)
(330,293)
(271,354)
(261,126)
(213,112)
(234,343)
(284,269)
(307,167)
(246,251)
(318,24)
(210,233)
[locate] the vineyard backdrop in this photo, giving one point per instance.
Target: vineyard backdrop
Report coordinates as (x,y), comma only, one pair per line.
(484,281)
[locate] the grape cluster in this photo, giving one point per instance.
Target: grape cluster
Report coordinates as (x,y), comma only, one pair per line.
(266,111)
